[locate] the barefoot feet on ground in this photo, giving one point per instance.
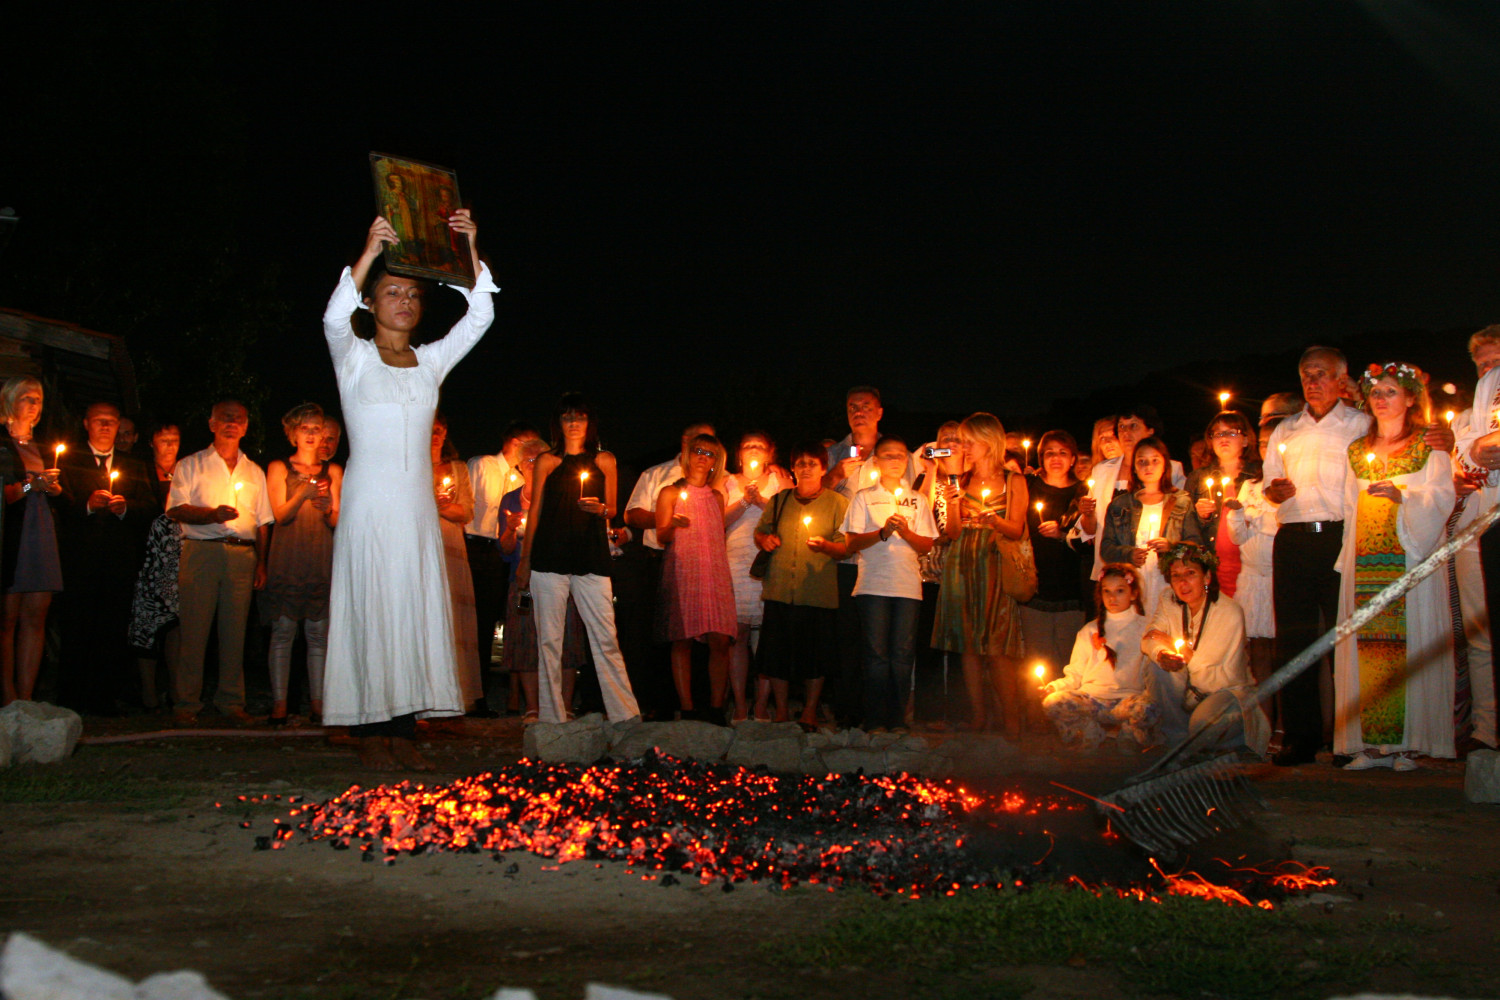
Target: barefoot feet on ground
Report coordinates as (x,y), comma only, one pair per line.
(375,754)
(408,756)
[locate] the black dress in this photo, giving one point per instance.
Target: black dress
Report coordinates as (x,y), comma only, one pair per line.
(570,541)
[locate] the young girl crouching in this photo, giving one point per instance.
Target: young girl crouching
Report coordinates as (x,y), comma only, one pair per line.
(1102,690)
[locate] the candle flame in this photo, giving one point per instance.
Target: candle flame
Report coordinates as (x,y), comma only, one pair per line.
(899,491)
(1448,416)
(1225,481)
(754,465)
(59,449)
(1223,398)
(1281,448)
(874,474)
(1038,507)
(238,487)
(1177,644)
(1040,670)
(113,475)
(1208,482)
(806,520)
(583,477)
(1026,442)
(1091,486)
(447,480)
(682,496)
(1369,458)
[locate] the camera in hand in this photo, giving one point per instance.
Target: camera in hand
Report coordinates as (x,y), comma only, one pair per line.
(931,452)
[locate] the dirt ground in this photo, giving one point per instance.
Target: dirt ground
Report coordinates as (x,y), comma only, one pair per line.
(120,857)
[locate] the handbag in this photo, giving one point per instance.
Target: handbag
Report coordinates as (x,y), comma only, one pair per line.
(762,561)
(1017,561)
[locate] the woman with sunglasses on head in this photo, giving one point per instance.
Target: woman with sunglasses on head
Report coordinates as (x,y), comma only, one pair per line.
(1236,460)
(697,595)
(566,552)
(1393,679)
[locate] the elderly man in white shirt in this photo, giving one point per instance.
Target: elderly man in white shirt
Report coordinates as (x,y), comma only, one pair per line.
(219,497)
(1306,471)
(1478,568)
(492,476)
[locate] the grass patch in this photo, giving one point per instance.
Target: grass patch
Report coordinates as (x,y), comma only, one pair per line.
(1182,947)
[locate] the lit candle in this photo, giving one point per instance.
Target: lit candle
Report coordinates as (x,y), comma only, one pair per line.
(1448,416)
(1225,482)
(806,520)
(682,496)
(1208,483)
(874,474)
(1039,506)
(1153,526)
(447,481)
(113,475)
(1026,451)
(1040,670)
(899,491)
(583,478)
(984,495)
(523,520)
(513,479)
(1370,462)
(57,454)
(1091,486)
(1177,646)
(1281,448)
(754,464)
(1223,399)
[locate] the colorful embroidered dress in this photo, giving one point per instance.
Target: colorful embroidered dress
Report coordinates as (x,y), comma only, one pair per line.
(974,613)
(1394,679)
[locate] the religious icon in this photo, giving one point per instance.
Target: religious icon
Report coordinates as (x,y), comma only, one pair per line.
(417,198)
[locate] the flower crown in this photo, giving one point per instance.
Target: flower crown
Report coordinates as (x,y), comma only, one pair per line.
(1191,551)
(1409,377)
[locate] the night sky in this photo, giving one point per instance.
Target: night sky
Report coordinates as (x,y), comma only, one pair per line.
(739,210)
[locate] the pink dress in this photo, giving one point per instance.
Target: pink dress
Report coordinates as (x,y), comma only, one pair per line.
(698,595)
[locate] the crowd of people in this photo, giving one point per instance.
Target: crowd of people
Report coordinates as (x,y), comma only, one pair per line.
(1107,592)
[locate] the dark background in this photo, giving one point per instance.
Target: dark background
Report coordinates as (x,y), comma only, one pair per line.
(737,211)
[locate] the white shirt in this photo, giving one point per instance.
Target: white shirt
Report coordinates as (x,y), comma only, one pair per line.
(890,568)
(108,456)
(491,477)
(1089,669)
(1316,461)
(643,497)
(1476,423)
(204,479)
(1105,476)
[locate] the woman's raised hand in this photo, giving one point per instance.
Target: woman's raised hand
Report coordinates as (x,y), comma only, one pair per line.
(381,233)
(1205,508)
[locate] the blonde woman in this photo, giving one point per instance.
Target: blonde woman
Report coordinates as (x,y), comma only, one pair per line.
(32,570)
(975,616)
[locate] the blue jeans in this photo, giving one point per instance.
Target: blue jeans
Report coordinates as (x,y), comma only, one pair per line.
(888,631)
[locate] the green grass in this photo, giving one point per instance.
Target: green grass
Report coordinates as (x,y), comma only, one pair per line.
(19,786)
(1181,947)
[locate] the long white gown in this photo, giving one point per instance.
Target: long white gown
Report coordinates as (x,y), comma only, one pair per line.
(390,635)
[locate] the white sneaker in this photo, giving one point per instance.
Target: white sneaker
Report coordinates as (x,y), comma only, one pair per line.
(1401,762)
(1364,760)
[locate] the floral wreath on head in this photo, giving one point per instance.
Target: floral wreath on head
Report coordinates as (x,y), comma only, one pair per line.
(1409,377)
(1192,552)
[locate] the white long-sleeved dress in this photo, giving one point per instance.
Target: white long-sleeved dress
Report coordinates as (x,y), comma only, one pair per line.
(390,635)
(1422,515)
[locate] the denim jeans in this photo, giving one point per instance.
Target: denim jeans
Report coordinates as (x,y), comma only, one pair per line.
(888,629)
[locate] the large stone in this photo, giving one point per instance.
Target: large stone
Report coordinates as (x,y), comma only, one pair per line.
(777,745)
(40,733)
(510,994)
(1482,776)
(7,755)
(177,986)
(598,991)
(687,740)
(812,762)
(847,760)
(582,741)
(29,970)
(922,762)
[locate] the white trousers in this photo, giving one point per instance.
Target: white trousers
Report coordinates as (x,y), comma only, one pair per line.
(594,597)
(1477,631)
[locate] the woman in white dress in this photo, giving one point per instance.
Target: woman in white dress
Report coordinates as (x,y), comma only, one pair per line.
(1393,679)
(390,643)
(747,494)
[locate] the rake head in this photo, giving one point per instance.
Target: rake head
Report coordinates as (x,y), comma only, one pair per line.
(1173,811)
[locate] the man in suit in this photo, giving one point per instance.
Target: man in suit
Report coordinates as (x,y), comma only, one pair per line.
(103,527)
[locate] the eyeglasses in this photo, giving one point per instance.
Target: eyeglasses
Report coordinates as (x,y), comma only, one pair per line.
(706,453)
(1229,433)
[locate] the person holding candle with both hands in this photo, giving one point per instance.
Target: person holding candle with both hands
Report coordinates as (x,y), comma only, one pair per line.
(1393,680)
(566,552)
(32,569)
(697,595)
(976,617)
(799,634)
(1149,519)
(891,527)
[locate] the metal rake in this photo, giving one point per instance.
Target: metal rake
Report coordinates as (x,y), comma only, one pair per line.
(1172,805)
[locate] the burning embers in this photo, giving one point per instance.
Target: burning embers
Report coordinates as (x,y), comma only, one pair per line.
(718,822)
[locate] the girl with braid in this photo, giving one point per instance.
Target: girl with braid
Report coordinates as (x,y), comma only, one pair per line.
(1102,690)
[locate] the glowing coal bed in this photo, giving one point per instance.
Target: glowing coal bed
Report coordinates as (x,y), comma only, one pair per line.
(669,820)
